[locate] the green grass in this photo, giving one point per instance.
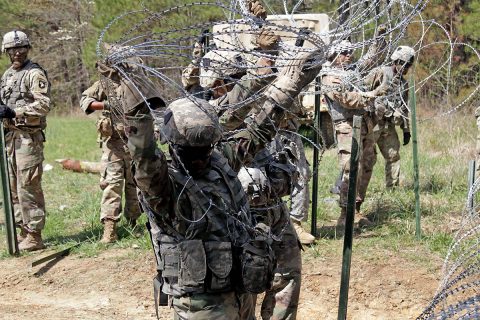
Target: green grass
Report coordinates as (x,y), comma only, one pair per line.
(445,146)
(73,199)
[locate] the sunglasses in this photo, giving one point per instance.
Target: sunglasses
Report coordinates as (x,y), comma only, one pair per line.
(346,53)
(20,50)
(193,153)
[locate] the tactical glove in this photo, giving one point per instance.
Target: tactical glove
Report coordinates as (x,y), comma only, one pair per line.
(406,138)
(202,38)
(267,40)
(6,112)
(381,30)
(256,8)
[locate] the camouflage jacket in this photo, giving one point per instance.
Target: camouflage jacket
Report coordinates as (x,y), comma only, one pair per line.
(27,91)
(392,90)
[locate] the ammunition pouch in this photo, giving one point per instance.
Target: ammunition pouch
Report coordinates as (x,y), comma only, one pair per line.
(256,263)
(104,127)
(197,266)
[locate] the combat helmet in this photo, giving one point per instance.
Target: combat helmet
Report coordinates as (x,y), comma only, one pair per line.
(217,64)
(191,122)
(14,39)
(336,49)
(403,53)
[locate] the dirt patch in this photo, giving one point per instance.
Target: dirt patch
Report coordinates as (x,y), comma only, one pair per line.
(117,285)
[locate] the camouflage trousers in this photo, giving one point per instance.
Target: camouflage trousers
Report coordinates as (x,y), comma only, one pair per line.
(115,178)
(344,131)
(25,157)
(386,138)
(281,301)
(214,306)
(300,200)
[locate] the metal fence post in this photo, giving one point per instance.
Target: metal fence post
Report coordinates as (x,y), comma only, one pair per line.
(7,199)
(316,153)
(348,237)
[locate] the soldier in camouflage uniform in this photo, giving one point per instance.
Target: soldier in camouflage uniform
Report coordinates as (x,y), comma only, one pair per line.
(25,102)
(188,207)
(199,209)
(263,187)
(115,177)
(345,102)
(391,109)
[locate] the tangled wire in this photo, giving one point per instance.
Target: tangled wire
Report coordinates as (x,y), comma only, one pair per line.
(161,45)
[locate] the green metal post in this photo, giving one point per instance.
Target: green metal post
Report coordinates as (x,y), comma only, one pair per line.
(316,155)
(7,199)
(471,180)
(348,237)
(416,175)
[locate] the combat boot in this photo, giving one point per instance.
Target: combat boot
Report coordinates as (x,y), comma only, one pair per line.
(22,234)
(303,236)
(109,231)
(33,241)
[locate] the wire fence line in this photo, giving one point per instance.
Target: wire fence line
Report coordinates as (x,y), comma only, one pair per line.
(161,49)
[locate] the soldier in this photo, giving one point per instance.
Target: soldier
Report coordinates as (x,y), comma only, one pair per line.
(199,209)
(25,97)
(115,176)
(345,101)
(391,109)
(300,196)
(263,188)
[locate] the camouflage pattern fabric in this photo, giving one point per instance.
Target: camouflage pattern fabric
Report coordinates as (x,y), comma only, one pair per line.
(300,202)
(386,137)
(115,179)
(25,157)
(205,306)
(390,110)
(27,92)
(281,301)
(344,133)
(197,212)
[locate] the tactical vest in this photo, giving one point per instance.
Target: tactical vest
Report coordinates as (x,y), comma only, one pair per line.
(200,256)
(337,111)
(18,95)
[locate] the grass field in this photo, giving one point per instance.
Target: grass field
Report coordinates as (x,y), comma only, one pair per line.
(445,145)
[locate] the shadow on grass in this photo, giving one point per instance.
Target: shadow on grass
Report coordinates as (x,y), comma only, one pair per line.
(93,234)
(335,233)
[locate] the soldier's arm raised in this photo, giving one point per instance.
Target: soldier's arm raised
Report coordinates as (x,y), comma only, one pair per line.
(371,58)
(150,164)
